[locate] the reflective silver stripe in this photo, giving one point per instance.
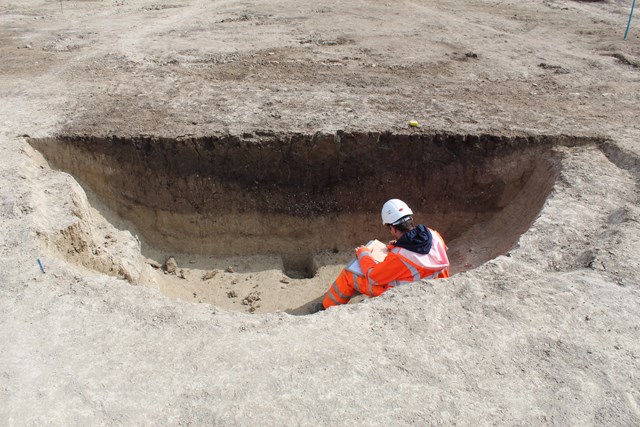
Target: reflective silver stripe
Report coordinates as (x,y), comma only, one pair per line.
(393,283)
(355,282)
(369,272)
(401,282)
(371,282)
(414,271)
(337,291)
(404,282)
(365,253)
(434,275)
(333,298)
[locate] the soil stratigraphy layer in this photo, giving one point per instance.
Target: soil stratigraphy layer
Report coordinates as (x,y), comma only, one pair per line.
(285,194)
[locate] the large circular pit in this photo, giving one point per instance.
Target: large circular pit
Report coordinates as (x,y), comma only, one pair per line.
(306,200)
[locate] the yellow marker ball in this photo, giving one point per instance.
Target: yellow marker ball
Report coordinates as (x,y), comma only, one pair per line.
(414,123)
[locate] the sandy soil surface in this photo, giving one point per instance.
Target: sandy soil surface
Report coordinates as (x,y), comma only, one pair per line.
(546,334)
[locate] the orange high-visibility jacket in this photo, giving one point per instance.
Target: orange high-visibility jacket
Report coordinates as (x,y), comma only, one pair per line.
(402,266)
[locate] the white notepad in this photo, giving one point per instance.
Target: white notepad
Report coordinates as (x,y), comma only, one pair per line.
(379,252)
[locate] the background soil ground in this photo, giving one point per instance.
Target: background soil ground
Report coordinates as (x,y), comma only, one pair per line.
(547,334)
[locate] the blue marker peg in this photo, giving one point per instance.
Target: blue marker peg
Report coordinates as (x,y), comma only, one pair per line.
(626,33)
(40,264)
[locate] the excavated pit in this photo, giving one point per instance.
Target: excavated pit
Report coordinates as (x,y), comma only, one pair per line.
(296,196)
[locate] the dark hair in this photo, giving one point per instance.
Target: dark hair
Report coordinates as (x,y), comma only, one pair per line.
(405,226)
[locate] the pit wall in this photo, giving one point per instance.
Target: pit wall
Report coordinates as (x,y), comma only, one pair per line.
(293,193)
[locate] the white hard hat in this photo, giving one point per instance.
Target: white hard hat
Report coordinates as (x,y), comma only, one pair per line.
(394,211)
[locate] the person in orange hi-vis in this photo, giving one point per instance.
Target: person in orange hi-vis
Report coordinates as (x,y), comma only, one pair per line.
(417,253)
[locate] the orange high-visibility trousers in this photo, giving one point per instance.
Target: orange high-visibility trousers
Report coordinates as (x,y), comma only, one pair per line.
(400,267)
(347,285)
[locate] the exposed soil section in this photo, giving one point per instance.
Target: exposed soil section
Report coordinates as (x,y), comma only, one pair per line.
(302,202)
(283,194)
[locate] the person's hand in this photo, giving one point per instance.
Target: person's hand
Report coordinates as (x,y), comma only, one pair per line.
(392,243)
(361,249)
